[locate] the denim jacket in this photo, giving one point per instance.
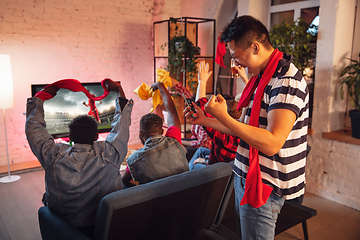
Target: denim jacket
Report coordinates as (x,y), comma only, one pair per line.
(160,157)
(78,177)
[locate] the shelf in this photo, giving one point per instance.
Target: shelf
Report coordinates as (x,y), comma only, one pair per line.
(201,33)
(343,135)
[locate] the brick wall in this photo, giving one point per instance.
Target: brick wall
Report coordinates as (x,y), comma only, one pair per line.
(90,40)
(85,40)
(332,167)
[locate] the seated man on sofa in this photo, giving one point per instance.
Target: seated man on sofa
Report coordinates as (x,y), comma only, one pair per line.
(161,156)
(77,177)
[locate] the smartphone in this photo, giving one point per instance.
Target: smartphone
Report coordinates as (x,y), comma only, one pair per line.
(189,104)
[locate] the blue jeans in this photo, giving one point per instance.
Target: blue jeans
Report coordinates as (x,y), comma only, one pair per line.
(256,223)
(201,152)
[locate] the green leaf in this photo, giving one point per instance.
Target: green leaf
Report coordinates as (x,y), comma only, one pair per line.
(292,38)
(342,92)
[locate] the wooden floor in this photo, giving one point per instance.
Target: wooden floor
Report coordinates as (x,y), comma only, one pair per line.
(25,166)
(20,201)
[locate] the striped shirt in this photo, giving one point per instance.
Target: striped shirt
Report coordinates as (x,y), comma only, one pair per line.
(285,171)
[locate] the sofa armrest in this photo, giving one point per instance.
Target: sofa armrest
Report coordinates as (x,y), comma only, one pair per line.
(53,227)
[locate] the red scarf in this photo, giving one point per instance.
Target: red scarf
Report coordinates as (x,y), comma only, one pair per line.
(256,192)
(73,85)
(220,53)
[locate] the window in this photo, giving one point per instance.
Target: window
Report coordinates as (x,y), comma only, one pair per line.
(278,2)
(291,10)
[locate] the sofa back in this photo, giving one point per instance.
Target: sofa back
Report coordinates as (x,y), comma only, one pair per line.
(170,208)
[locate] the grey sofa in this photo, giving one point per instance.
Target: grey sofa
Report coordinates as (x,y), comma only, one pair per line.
(183,206)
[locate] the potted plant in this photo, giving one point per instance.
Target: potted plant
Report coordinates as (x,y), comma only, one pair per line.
(296,39)
(350,76)
(182,58)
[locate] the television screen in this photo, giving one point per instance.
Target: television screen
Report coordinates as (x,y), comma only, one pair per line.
(66,105)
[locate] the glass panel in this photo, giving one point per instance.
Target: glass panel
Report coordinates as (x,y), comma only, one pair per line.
(278,2)
(161,39)
(161,63)
(278,17)
(206,38)
(308,14)
(311,16)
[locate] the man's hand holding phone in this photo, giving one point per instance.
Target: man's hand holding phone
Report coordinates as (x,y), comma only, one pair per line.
(189,104)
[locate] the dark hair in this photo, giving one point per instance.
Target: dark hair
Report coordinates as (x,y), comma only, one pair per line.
(83,129)
(231,108)
(151,123)
(245,30)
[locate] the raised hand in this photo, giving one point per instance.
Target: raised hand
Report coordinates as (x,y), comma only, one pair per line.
(155,86)
(111,85)
(203,71)
(199,113)
(203,76)
(51,90)
(216,106)
(242,73)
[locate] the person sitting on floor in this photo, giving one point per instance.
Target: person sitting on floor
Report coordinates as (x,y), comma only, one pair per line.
(77,177)
(224,146)
(161,156)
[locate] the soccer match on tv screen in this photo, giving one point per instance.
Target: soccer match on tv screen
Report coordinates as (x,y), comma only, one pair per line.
(66,105)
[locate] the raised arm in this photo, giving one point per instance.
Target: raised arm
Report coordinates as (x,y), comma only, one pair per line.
(203,76)
(115,87)
(172,118)
(40,141)
(119,135)
(51,90)
(242,73)
(206,121)
(268,141)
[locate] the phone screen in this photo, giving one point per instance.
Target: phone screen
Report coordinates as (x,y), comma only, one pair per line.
(189,104)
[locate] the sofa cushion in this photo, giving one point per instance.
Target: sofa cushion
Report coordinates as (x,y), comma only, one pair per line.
(171,208)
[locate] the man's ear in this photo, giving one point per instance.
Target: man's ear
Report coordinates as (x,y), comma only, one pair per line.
(162,131)
(141,134)
(141,137)
(256,48)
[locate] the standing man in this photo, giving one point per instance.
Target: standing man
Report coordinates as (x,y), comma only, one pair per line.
(270,161)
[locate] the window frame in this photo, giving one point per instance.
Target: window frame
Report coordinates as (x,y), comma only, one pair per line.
(296,7)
